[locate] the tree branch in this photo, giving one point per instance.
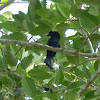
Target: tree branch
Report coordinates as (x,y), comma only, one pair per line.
(6,4)
(46,47)
(90,81)
(87,38)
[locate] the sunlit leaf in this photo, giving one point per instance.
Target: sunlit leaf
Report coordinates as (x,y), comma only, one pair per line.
(94,10)
(64,10)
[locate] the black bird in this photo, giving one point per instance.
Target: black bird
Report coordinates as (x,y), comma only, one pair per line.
(54,42)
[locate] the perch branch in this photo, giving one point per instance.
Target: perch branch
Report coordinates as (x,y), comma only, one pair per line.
(46,47)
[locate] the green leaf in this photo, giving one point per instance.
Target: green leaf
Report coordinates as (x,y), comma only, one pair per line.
(26,61)
(43,13)
(52,96)
(8,15)
(42,22)
(21,15)
(90,95)
(74,85)
(86,72)
(20,97)
(1,85)
(42,29)
(82,1)
(2,18)
(37,4)
(37,59)
(26,25)
(74,10)
(6,80)
(10,26)
(94,10)
(95,38)
(57,19)
(18,21)
(33,6)
(78,72)
(62,27)
(43,3)
(77,43)
(73,37)
(15,36)
(66,83)
(73,59)
(87,20)
(97,92)
(74,25)
(61,58)
(28,86)
(18,36)
(2,63)
(69,77)
(70,95)
(17,79)
(38,74)
(59,77)
(31,9)
(9,57)
(96,65)
(63,10)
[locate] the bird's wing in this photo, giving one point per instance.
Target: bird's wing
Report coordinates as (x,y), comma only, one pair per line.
(53,43)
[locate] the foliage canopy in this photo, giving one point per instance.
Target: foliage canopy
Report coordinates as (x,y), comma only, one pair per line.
(22,69)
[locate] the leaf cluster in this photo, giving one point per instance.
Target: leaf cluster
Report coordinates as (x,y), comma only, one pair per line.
(22,69)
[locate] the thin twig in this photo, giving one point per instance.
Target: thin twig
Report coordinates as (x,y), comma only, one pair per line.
(71,41)
(88,40)
(80,27)
(22,46)
(71,73)
(76,76)
(82,44)
(2,32)
(95,29)
(82,63)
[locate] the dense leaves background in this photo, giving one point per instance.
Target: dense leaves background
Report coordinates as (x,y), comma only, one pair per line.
(22,69)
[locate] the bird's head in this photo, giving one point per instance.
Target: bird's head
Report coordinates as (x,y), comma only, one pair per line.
(54,34)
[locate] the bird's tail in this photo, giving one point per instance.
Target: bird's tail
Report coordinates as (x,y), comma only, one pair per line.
(48,62)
